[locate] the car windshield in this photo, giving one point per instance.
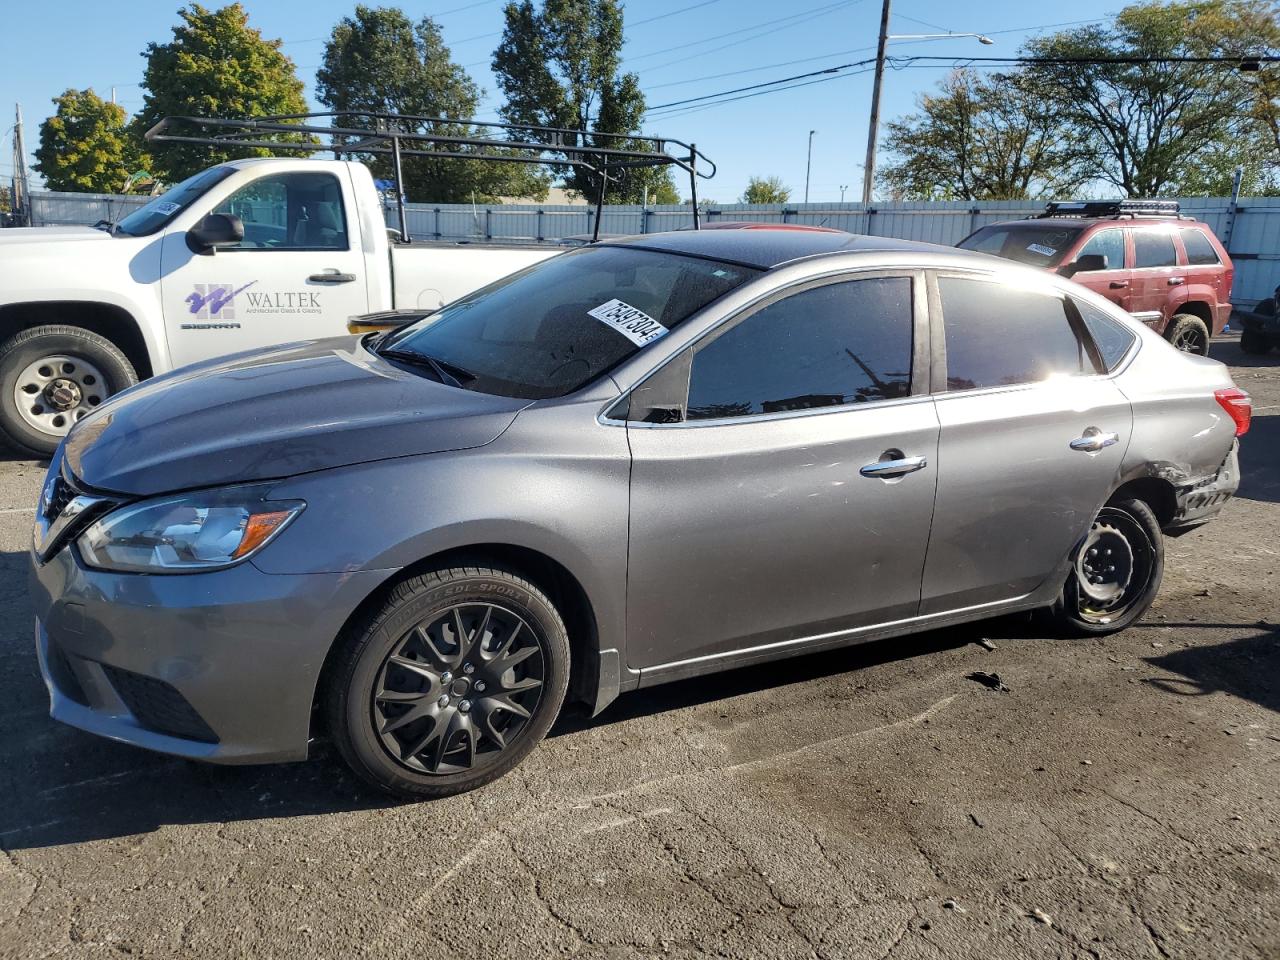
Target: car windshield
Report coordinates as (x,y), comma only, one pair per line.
(556,326)
(159,211)
(1039,244)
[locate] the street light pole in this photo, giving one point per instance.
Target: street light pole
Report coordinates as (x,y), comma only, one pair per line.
(808,165)
(843,188)
(869,171)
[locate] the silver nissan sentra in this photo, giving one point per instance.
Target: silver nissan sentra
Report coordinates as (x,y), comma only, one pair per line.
(638,461)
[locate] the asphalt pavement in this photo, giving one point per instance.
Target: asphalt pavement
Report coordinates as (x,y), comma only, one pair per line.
(1119,800)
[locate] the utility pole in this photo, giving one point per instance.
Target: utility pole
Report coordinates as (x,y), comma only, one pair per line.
(869,171)
(843,188)
(20,199)
(808,165)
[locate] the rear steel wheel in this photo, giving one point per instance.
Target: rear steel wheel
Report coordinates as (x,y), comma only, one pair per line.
(458,688)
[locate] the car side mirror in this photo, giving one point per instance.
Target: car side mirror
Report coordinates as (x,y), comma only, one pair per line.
(215,230)
(1086,264)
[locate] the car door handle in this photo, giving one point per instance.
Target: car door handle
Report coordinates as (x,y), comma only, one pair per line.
(1118,284)
(1094,440)
(1174,281)
(331,276)
(894,468)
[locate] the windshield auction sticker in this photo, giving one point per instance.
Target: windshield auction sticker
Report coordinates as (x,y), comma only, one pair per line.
(632,322)
(1041,249)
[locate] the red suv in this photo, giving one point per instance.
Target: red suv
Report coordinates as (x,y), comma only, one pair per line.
(1168,270)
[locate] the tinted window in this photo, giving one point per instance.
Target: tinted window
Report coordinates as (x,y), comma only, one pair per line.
(553,327)
(1106,243)
(156,213)
(290,211)
(1038,245)
(1199,250)
(1153,248)
(999,335)
(1112,337)
(830,345)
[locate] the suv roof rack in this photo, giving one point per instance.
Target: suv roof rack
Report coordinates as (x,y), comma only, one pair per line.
(358,133)
(1112,209)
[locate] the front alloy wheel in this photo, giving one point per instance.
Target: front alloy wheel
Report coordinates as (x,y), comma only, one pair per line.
(449,683)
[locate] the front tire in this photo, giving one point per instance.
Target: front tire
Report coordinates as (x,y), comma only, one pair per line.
(450,683)
(1117,574)
(1189,334)
(52,376)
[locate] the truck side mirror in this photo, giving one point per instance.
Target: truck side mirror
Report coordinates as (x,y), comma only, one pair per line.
(1086,264)
(215,230)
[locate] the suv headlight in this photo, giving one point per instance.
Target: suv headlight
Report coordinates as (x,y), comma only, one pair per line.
(188,533)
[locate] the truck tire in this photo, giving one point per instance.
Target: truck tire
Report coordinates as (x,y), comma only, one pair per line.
(1255,342)
(52,376)
(1189,334)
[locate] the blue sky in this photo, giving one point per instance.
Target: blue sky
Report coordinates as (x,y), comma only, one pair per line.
(679,48)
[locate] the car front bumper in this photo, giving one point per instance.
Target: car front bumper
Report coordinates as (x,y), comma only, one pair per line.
(219,666)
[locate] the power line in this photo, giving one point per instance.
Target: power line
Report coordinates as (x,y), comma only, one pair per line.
(769,83)
(663,16)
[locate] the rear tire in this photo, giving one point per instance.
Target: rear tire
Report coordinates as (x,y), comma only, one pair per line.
(52,375)
(448,684)
(1189,334)
(1117,574)
(1255,343)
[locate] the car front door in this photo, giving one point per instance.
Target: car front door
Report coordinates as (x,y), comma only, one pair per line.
(784,497)
(1032,437)
(1156,275)
(298,274)
(1114,281)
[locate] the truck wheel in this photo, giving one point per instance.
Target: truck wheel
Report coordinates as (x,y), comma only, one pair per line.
(51,377)
(1255,342)
(1189,334)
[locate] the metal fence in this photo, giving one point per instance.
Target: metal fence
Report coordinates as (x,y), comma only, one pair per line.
(1250,230)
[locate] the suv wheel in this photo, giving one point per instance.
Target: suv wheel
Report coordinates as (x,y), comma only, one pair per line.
(450,683)
(1117,573)
(51,377)
(1189,334)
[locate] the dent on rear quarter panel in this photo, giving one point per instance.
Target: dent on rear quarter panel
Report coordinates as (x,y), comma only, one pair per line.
(1180,433)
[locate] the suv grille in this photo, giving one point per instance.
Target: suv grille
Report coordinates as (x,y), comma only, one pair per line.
(61,495)
(158,706)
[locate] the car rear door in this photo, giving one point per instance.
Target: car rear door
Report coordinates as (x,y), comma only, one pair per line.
(1156,274)
(1031,439)
(787,498)
(1206,277)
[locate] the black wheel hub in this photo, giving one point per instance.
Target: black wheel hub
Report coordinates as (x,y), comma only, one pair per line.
(63,394)
(458,689)
(1190,341)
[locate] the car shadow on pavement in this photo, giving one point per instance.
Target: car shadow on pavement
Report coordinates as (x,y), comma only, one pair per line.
(1247,667)
(1227,350)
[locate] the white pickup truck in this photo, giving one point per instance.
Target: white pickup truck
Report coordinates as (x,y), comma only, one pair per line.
(243,255)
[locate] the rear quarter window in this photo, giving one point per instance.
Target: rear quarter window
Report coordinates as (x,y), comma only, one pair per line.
(1112,338)
(1200,251)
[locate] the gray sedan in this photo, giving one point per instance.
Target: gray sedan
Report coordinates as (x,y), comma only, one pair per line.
(638,461)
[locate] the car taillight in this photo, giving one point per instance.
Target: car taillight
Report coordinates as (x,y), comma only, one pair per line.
(1238,406)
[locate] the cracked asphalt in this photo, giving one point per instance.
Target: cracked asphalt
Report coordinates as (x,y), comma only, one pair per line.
(1119,801)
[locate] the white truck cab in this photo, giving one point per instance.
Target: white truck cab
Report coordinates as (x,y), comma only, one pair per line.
(243,255)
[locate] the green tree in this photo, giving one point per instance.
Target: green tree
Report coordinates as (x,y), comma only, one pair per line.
(982,138)
(560,66)
(86,145)
(6,203)
(766,190)
(215,66)
(1155,126)
(378,61)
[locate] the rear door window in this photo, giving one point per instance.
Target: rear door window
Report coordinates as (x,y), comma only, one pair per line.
(1153,248)
(998,335)
(1200,251)
(837,344)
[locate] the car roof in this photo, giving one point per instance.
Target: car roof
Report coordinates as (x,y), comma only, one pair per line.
(770,248)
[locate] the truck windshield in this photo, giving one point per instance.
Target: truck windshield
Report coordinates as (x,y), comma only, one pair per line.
(1039,244)
(150,218)
(555,326)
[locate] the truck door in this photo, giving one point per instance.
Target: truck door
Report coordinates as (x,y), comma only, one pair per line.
(1115,281)
(298,274)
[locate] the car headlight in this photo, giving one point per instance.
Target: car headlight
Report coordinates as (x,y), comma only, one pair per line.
(187,533)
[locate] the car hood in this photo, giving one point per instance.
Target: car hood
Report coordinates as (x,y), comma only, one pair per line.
(270,414)
(25,235)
